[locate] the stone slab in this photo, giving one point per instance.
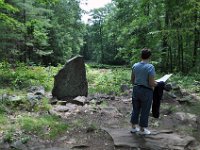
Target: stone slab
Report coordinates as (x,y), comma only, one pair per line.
(158,140)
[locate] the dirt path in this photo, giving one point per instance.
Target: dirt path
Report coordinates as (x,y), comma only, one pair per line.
(87,123)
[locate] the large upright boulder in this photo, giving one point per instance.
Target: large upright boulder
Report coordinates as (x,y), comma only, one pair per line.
(71,81)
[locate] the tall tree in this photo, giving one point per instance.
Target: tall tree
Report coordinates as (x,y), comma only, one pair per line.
(66,34)
(9,31)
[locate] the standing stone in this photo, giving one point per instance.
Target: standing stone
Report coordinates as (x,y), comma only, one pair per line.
(71,81)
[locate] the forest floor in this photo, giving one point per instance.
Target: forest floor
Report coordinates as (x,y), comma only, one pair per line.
(87,123)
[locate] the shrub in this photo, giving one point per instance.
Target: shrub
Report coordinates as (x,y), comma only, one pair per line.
(22,76)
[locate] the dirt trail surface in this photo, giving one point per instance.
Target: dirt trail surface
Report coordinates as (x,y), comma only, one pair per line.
(103,124)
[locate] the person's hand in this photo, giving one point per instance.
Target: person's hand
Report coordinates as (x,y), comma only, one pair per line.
(161,84)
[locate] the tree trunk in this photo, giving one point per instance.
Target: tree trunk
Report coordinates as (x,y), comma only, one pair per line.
(101,41)
(196,39)
(165,46)
(170,59)
(25,36)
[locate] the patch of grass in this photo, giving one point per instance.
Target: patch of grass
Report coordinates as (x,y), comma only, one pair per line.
(188,82)
(186,129)
(43,105)
(45,126)
(192,108)
(92,127)
(104,104)
(9,135)
(107,80)
(22,76)
(25,139)
(2,109)
(78,122)
(3,120)
(169,107)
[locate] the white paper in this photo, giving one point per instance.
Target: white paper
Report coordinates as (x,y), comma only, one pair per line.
(164,78)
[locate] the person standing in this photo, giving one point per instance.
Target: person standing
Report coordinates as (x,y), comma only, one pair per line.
(143,81)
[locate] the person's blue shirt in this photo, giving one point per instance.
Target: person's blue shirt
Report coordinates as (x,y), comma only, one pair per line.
(142,71)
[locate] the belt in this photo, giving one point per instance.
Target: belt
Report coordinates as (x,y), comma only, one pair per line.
(143,86)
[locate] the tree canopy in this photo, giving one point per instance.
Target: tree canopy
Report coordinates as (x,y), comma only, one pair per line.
(49,32)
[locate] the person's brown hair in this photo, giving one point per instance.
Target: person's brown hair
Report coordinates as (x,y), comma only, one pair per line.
(145,53)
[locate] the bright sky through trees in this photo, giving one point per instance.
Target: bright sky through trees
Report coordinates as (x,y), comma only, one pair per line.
(88,5)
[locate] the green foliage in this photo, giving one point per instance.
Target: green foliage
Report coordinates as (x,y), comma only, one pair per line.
(192,108)
(43,105)
(78,123)
(44,126)
(3,119)
(104,104)
(66,31)
(169,108)
(107,80)
(22,76)
(92,127)
(2,110)
(6,18)
(40,31)
(117,33)
(9,135)
(187,81)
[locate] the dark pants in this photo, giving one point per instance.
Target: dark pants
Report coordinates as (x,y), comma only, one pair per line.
(141,101)
(157,97)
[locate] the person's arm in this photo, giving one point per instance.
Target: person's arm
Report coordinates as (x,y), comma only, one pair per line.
(152,81)
(132,78)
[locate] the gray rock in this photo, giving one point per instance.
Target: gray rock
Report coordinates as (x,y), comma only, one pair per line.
(198,124)
(80,100)
(53,101)
(3,97)
(186,118)
(168,87)
(4,145)
(110,111)
(33,97)
(71,81)
(124,88)
(19,145)
(158,141)
(168,96)
(35,93)
(37,147)
(112,98)
(14,98)
(37,90)
(186,99)
(61,108)
(180,120)
(56,148)
(67,108)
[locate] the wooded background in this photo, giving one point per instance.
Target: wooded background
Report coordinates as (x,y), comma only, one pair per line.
(48,32)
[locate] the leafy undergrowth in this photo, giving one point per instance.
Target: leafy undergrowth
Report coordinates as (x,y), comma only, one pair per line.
(26,124)
(190,82)
(22,76)
(45,126)
(107,80)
